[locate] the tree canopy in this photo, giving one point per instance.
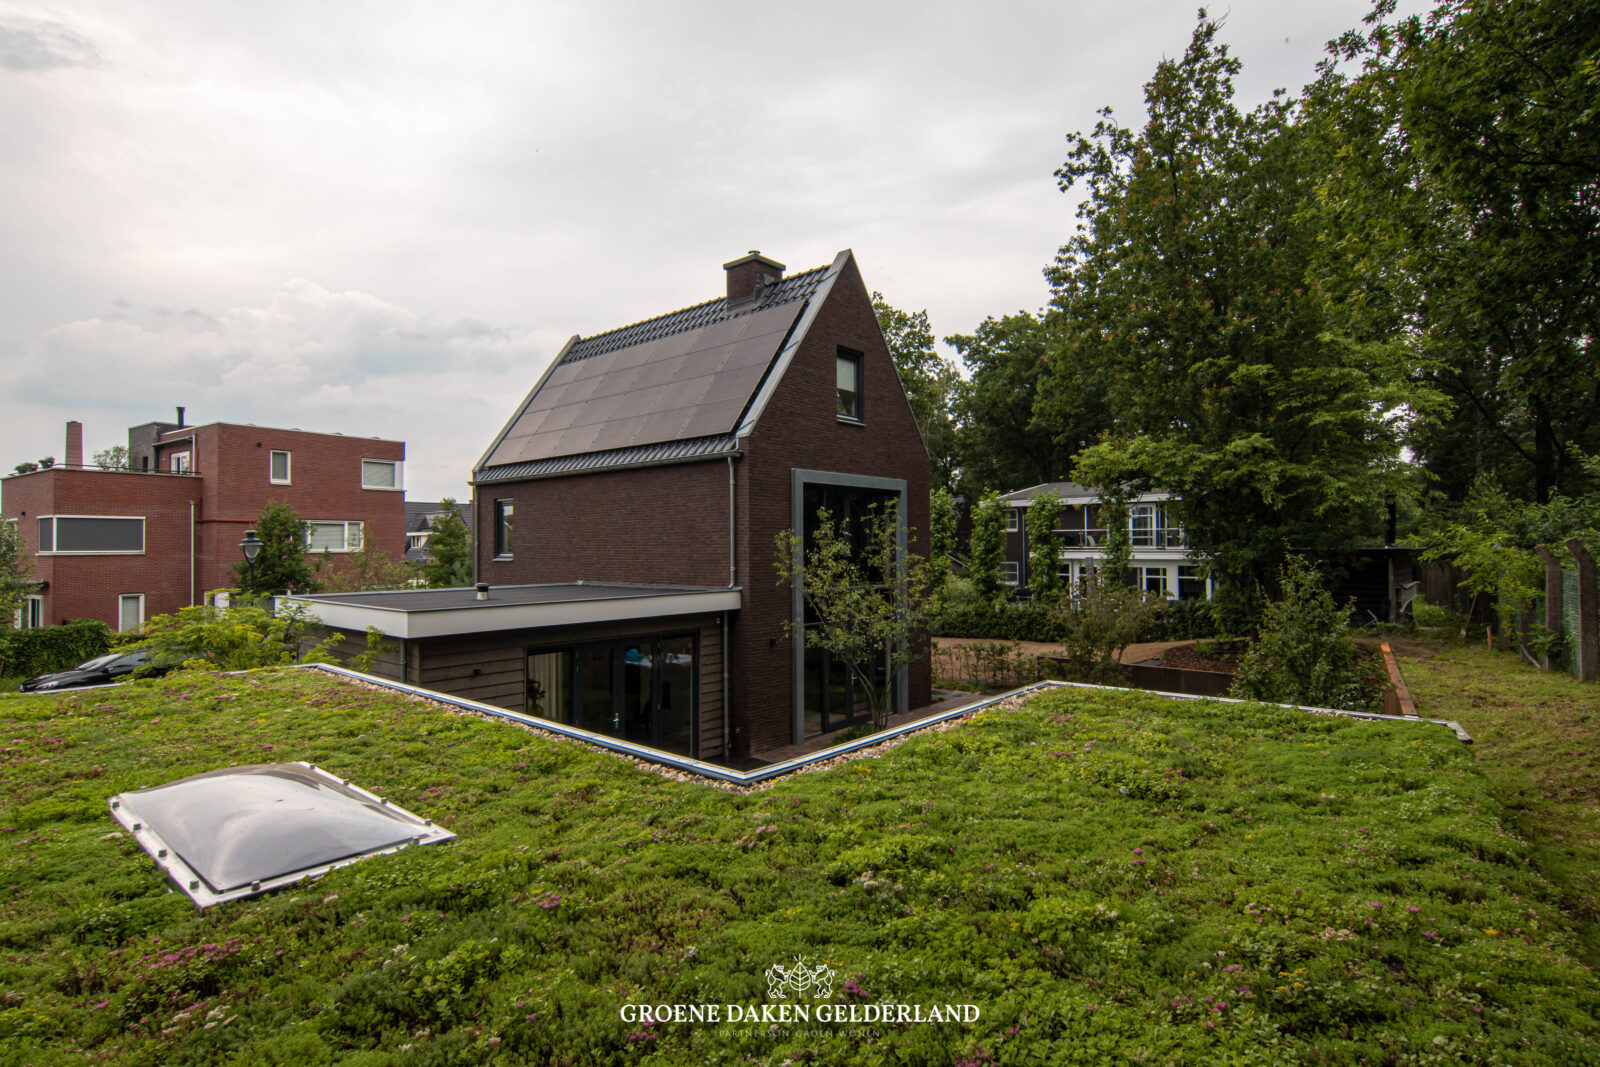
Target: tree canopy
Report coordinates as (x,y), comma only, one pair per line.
(1191,288)
(281,564)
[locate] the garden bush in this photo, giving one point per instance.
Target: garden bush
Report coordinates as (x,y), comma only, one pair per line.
(24,653)
(1304,653)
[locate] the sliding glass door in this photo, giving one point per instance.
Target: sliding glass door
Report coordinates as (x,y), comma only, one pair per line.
(636,689)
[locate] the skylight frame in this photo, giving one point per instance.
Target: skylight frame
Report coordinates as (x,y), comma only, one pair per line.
(123,808)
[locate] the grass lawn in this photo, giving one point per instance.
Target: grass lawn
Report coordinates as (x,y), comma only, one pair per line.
(1106,877)
(1538,740)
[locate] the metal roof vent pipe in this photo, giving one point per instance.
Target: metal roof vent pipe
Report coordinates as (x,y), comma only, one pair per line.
(482,589)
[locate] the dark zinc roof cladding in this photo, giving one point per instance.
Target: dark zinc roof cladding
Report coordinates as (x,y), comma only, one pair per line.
(787,291)
(665,452)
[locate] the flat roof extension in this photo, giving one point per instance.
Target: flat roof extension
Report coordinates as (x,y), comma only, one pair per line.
(411,613)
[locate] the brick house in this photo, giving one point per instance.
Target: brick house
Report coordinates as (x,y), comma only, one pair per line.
(126,544)
(626,517)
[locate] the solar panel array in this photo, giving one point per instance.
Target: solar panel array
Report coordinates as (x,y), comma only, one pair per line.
(693,383)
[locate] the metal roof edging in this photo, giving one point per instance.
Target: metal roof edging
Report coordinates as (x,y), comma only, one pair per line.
(797,336)
(603,467)
(515,415)
(777,770)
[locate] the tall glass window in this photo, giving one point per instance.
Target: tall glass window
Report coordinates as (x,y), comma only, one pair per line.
(503,513)
(847,373)
(638,689)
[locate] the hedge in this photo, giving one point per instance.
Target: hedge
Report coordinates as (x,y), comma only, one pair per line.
(25,653)
(1178,620)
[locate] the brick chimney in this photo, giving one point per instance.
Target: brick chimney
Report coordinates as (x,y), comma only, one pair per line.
(74,444)
(749,274)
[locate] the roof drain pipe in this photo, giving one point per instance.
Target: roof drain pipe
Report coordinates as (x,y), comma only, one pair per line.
(727,750)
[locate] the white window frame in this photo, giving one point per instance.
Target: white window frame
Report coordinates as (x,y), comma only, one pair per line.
(399,475)
(1146,572)
(1013,520)
(179,462)
(1010,572)
(347,524)
(55,537)
(121,600)
(30,616)
(288,467)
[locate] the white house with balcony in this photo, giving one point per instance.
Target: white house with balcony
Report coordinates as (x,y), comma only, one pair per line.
(1161,562)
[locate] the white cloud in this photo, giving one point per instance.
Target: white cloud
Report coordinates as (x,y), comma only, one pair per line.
(344,362)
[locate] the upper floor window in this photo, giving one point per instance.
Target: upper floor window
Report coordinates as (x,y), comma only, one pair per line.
(504,511)
(847,374)
(333,536)
(1013,520)
(278,474)
(380,474)
(180,462)
(91,535)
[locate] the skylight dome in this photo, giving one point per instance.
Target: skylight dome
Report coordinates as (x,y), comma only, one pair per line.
(233,833)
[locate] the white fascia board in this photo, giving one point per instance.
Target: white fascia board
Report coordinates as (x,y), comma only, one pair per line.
(489,617)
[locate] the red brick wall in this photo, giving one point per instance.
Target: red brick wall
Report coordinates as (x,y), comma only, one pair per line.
(800,429)
(324,483)
(88,587)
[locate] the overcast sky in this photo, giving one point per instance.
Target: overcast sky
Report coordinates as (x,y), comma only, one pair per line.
(385,219)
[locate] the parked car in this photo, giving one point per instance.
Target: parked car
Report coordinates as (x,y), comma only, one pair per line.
(112,667)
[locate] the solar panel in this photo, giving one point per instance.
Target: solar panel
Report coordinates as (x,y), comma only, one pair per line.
(665,380)
(233,833)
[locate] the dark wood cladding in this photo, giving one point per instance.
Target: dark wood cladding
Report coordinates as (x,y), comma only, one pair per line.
(491,668)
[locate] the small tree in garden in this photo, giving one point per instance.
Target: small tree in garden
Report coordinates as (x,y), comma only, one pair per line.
(114,458)
(365,570)
(942,535)
(1304,653)
(1099,619)
(988,549)
(450,545)
(281,564)
(1044,546)
(15,573)
(870,598)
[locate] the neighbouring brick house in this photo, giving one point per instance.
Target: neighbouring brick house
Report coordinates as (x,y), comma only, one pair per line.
(626,517)
(126,544)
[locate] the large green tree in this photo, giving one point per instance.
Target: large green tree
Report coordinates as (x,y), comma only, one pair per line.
(1481,120)
(1006,443)
(929,379)
(1191,288)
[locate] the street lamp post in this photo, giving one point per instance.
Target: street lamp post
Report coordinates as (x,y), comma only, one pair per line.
(251,547)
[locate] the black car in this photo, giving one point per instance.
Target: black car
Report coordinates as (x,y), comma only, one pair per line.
(113,667)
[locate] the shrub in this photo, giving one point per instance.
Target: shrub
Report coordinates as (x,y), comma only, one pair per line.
(1098,624)
(1179,620)
(1304,653)
(1007,621)
(232,639)
(24,653)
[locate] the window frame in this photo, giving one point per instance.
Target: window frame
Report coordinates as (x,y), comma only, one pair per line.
(396,465)
(55,537)
(361,535)
(288,466)
(1013,520)
(30,613)
(505,514)
(855,359)
(180,462)
(1010,572)
(122,598)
